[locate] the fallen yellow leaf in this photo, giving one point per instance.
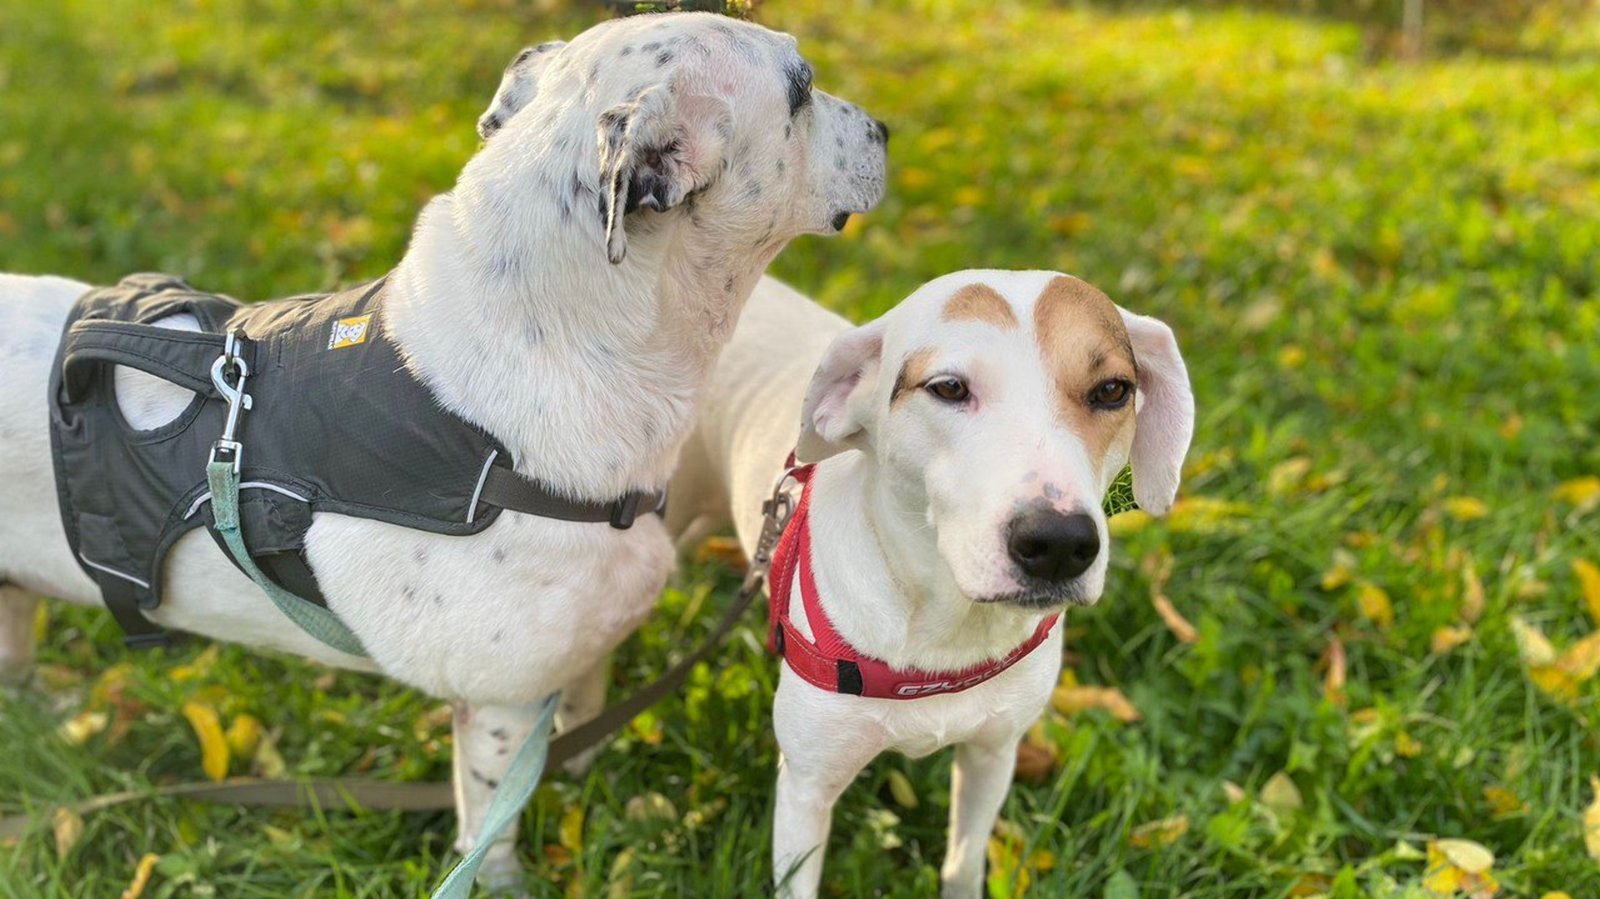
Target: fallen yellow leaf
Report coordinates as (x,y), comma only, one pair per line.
(1287,475)
(213,745)
(1465,508)
(80,727)
(1503,803)
(1589,583)
(1582,658)
(1174,620)
(571,829)
(1532,644)
(1582,492)
(1375,606)
(1460,866)
(1407,746)
(1333,680)
(905,795)
(1556,895)
(1159,833)
(1072,700)
(1471,593)
(267,761)
(141,876)
(1591,821)
(1281,795)
(1471,857)
(1204,515)
(244,734)
(1448,638)
(725,550)
(68,827)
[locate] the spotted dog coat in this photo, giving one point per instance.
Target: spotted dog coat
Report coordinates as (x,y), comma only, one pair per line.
(569,295)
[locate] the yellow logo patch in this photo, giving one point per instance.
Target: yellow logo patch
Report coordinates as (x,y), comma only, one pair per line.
(349,332)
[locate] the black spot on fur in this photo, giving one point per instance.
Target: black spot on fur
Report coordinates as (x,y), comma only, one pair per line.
(787,130)
(489,782)
(653,45)
(420,556)
(664,57)
(594,72)
(799,86)
(500,733)
(838,161)
(438,599)
(626,51)
(752,191)
(781,166)
(727,286)
(499,555)
(408,592)
(839,142)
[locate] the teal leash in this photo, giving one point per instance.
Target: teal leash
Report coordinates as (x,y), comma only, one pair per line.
(222,478)
(315,620)
(510,797)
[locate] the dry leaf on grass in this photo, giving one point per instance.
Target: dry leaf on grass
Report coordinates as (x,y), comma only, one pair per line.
(1589,584)
(80,727)
(1333,678)
(725,550)
(141,876)
(1375,606)
(1447,638)
(1159,833)
(1584,492)
(1174,620)
(1460,866)
(213,745)
(1591,821)
(1070,699)
(67,826)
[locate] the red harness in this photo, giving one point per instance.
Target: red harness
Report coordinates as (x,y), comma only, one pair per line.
(829,662)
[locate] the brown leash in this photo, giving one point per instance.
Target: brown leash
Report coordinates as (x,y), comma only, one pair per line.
(364,793)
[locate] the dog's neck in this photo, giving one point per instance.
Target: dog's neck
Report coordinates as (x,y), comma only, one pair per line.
(507,308)
(883,584)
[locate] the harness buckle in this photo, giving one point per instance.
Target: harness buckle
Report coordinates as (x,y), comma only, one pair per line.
(625,510)
(230,364)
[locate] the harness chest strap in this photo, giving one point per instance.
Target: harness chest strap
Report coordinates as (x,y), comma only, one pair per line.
(828,661)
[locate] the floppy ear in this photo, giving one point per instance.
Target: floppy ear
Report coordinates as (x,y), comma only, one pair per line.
(655,151)
(1164,423)
(517,86)
(830,422)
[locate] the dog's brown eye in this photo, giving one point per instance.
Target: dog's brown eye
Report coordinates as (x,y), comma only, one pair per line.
(1112,394)
(951,390)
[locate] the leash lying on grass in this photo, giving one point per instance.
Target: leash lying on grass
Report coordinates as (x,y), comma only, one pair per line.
(365,793)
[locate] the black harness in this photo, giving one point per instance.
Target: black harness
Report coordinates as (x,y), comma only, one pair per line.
(337,423)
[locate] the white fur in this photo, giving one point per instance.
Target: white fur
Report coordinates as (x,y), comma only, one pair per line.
(896,481)
(507,307)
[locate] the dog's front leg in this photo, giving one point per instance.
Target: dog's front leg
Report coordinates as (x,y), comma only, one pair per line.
(978,785)
(486,738)
(801,818)
(17,610)
(582,699)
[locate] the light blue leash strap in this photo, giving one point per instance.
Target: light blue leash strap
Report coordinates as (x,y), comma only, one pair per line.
(513,793)
(315,620)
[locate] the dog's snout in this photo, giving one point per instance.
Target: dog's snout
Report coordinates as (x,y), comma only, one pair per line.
(1050,546)
(882,129)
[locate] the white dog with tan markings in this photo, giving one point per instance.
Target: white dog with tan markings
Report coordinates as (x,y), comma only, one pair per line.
(960,447)
(568,297)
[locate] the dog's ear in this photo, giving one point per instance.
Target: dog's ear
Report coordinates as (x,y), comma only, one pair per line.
(1164,422)
(836,411)
(517,86)
(656,150)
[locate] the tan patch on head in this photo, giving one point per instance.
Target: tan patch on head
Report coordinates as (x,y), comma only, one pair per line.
(980,303)
(1083,342)
(912,373)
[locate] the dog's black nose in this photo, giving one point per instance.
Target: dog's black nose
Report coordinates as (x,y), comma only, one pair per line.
(1053,547)
(883,131)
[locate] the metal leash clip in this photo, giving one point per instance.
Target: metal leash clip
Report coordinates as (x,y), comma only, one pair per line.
(230,363)
(776,512)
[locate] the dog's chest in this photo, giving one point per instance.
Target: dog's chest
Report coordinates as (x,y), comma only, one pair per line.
(995,709)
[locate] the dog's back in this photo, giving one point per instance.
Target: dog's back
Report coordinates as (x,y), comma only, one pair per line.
(33,546)
(749,414)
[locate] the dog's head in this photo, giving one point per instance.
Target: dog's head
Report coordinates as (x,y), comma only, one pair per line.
(696,114)
(1005,403)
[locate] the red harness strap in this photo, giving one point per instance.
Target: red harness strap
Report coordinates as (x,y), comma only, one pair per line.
(830,663)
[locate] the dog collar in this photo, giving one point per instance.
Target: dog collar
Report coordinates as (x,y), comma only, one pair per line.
(828,661)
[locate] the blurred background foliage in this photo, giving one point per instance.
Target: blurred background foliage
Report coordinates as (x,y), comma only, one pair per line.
(1367,632)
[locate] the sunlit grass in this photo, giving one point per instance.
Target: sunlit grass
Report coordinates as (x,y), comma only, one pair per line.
(1384,279)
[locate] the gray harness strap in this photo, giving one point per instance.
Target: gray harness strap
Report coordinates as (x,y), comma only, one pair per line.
(339,423)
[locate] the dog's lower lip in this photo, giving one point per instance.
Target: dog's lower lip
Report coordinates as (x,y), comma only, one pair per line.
(840,220)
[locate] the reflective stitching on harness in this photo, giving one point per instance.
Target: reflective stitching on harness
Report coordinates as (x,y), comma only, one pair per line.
(472,505)
(112,571)
(204,498)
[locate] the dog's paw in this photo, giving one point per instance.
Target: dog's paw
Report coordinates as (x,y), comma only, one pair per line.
(502,873)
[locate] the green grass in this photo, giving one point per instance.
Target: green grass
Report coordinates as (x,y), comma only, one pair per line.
(1383,275)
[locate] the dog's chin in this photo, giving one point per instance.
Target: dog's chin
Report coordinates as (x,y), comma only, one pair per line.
(1044,597)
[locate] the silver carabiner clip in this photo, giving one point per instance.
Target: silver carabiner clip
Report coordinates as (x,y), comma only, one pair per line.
(237,399)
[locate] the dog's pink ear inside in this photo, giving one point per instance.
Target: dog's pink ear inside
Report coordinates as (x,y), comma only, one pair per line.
(829,422)
(1165,420)
(655,151)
